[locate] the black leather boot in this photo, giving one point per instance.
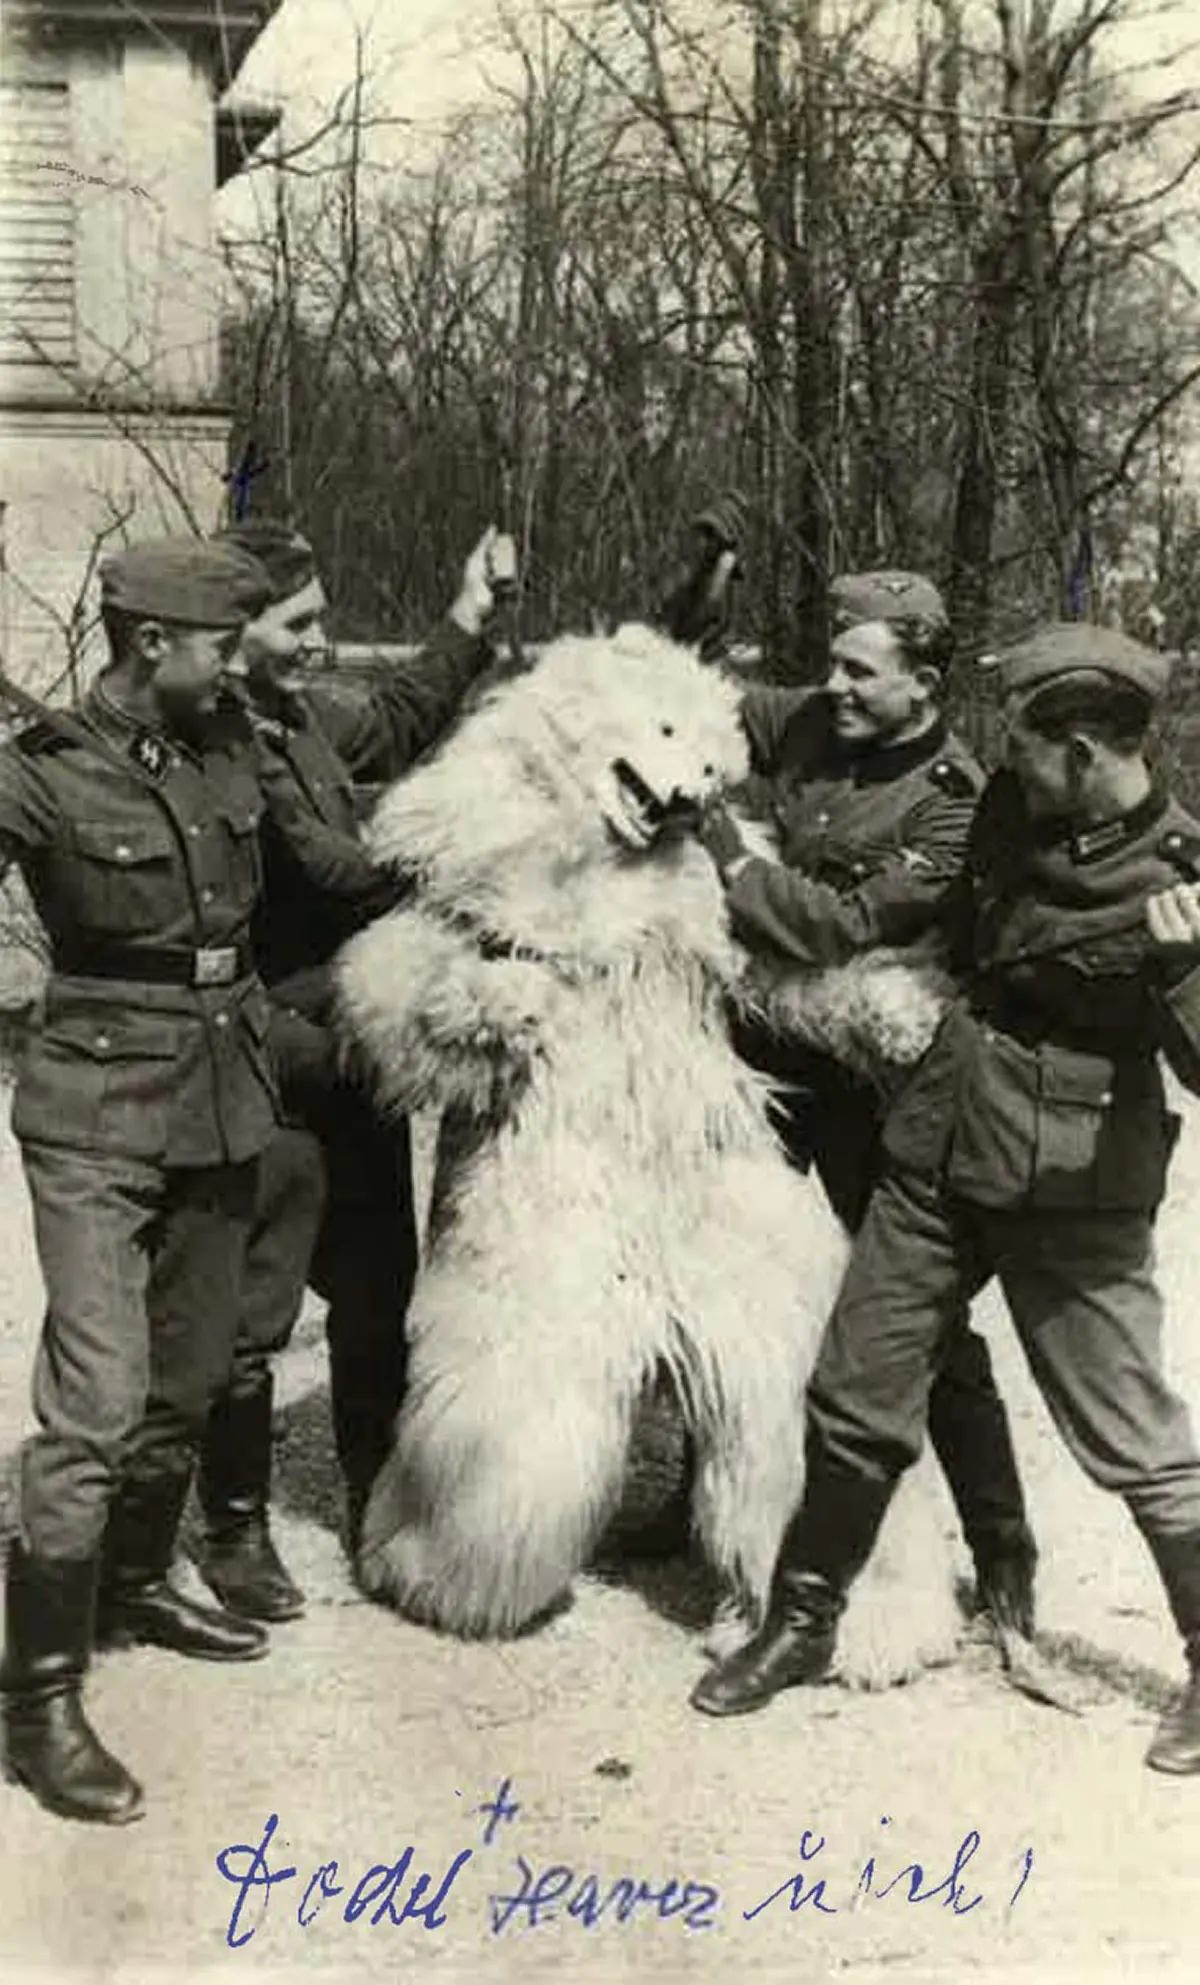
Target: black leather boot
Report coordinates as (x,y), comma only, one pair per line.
(1176,1745)
(1004,1576)
(137,1600)
(824,1547)
(49,1745)
(238,1558)
(795,1644)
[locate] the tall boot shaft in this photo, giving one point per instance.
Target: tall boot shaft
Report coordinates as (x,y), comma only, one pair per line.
(239,1559)
(49,1745)
(970,1434)
(142,1530)
(824,1546)
(235,1459)
(1178,1562)
(1176,1745)
(137,1600)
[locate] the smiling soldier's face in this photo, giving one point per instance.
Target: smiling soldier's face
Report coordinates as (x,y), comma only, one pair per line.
(287,639)
(873,692)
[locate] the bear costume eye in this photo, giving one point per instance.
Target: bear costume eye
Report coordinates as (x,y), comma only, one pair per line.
(709,771)
(668,730)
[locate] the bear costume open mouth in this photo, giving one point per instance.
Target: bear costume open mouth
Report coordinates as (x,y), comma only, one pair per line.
(678,809)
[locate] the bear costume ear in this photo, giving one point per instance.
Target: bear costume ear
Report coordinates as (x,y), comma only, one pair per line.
(633,637)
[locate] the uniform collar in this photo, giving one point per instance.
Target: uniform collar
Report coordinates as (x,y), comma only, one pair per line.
(288,712)
(883,762)
(1091,844)
(149,748)
(154,751)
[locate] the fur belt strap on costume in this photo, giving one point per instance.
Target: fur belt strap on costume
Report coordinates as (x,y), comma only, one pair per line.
(490,945)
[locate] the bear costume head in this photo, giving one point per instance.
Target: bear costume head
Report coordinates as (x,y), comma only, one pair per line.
(514,823)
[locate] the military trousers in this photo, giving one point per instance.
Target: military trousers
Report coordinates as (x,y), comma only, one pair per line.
(1081,1291)
(288,1205)
(141,1265)
(833,1121)
(336,1213)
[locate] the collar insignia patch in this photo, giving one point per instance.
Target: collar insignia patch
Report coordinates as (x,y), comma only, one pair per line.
(150,753)
(1099,840)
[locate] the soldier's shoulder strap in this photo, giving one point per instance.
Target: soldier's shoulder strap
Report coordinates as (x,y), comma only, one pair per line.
(37,738)
(48,729)
(1180,846)
(955,773)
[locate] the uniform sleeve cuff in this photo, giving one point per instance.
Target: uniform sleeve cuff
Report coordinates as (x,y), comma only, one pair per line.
(733,869)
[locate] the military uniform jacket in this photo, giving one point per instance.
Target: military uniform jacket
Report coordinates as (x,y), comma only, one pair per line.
(870,841)
(320,882)
(142,843)
(1043,1088)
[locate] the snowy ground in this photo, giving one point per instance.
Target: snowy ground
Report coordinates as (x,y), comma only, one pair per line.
(367,1737)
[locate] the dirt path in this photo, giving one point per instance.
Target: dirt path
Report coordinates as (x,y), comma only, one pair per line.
(367,1738)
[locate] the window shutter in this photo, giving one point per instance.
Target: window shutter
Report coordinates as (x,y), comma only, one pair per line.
(37,225)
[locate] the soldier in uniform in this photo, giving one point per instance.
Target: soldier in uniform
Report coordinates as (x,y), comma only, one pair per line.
(142,1105)
(872,799)
(314,746)
(1031,1143)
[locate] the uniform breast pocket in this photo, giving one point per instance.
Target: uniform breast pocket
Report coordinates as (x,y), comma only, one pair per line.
(126,876)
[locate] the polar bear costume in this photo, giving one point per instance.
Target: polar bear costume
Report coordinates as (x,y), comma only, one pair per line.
(620,1203)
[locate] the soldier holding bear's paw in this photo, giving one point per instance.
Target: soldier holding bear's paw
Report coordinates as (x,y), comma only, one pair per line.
(872,799)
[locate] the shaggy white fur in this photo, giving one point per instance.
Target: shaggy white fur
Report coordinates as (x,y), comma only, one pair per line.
(877,1013)
(627,1206)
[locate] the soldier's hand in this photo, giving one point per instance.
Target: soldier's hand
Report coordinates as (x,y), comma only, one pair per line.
(489,577)
(721,835)
(1173,918)
(725,520)
(696,608)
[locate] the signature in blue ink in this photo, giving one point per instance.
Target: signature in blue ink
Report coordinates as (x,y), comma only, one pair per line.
(587,1898)
(390,1891)
(807,1889)
(395,1892)
(592,1899)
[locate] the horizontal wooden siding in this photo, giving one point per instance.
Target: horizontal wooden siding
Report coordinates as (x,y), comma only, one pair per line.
(37,225)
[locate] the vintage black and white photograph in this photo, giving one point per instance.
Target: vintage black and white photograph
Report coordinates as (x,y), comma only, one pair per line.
(600,991)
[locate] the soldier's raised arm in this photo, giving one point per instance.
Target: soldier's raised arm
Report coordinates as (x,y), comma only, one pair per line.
(822,923)
(413,701)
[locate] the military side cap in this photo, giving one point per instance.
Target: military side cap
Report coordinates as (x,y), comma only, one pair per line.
(1069,647)
(286,554)
(859,596)
(187,581)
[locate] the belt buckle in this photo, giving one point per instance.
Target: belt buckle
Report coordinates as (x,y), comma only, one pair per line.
(215,965)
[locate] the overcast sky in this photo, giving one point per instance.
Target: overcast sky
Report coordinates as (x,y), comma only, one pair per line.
(425,53)
(428,58)
(428,54)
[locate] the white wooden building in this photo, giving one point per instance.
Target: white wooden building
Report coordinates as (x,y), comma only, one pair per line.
(116,128)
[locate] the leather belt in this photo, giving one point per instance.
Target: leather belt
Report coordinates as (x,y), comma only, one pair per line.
(160,964)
